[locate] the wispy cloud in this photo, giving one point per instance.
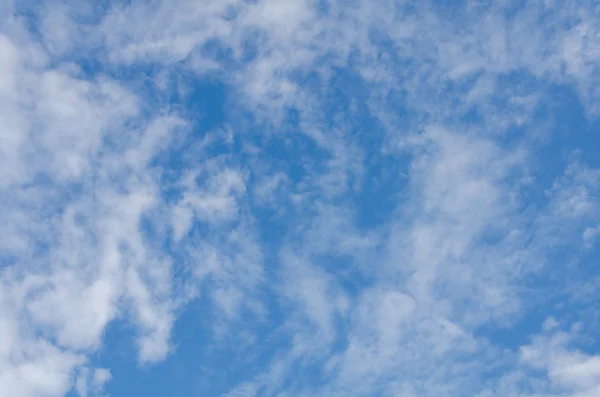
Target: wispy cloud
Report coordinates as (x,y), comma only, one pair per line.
(392,198)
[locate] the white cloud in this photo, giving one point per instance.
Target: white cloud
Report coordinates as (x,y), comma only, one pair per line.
(589,235)
(397,310)
(91,383)
(552,365)
(73,248)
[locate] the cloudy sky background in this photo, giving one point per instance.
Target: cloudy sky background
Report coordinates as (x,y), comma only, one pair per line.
(245,198)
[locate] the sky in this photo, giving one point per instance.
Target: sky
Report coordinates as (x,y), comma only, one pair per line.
(294,198)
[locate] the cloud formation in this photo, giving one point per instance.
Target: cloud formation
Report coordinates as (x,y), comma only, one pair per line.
(289,198)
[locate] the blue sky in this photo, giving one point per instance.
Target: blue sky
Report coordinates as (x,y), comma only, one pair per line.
(299,198)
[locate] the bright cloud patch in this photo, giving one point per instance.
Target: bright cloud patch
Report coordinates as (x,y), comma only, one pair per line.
(299,198)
